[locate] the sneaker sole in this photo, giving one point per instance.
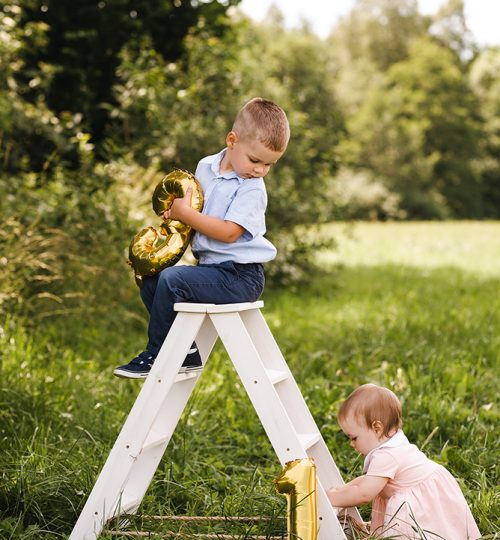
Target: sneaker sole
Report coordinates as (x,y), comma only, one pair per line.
(190,369)
(129,374)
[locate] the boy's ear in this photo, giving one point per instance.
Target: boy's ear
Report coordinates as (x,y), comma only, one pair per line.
(231,138)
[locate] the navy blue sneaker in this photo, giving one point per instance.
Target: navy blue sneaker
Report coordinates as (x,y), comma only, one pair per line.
(138,368)
(192,362)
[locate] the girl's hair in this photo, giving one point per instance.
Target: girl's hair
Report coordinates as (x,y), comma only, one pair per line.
(369,403)
(262,120)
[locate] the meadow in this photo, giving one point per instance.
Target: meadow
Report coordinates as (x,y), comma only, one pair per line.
(414,306)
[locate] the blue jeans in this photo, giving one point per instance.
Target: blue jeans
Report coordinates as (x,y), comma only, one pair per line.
(224,283)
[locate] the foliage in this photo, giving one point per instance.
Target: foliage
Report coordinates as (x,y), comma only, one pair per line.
(379,31)
(31,264)
(61,246)
(485,80)
(365,48)
(32,137)
(449,26)
(84,53)
(420,141)
(362,197)
(427,115)
(168,113)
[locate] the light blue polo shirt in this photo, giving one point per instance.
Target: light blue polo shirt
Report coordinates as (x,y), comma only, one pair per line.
(241,200)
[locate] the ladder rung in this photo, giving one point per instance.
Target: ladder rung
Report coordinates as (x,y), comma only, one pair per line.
(154,439)
(276,376)
(127,504)
(308,439)
(180,534)
(181,377)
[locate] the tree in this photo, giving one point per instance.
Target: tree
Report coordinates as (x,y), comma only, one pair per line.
(378,30)
(83,44)
(450,28)
(485,80)
(363,45)
(419,133)
(173,113)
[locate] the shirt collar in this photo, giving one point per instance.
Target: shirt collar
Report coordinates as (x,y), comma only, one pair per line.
(215,167)
(398,439)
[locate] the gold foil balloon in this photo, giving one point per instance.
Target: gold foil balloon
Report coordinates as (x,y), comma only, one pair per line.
(151,251)
(297,482)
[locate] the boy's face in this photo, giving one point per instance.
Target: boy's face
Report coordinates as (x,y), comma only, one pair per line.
(363,438)
(248,158)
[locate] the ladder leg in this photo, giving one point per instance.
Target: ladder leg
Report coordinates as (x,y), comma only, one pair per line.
(139,447)
(164,424)
(285,437)
(327,471)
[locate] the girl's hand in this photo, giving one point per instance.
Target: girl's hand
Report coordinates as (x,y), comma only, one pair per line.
(179,206)
(352,523)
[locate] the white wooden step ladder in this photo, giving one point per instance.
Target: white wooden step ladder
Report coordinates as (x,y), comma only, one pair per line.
(288,423)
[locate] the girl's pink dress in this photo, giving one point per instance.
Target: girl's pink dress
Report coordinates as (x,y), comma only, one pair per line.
(420,497)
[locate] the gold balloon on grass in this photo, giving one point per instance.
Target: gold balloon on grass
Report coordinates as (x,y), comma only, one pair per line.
(151,251)
(297,482)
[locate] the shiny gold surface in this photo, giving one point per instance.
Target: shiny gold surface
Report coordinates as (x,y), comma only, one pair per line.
(297,482)
(150,250)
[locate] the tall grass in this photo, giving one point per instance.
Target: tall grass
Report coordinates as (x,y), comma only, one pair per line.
(411,306)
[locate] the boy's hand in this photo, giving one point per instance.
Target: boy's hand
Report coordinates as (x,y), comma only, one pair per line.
(216,228)
(179,206)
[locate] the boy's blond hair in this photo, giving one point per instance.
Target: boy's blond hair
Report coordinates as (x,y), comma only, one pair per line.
(261,119)
(369,403)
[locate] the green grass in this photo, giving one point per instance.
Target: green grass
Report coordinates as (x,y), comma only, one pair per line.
(471,246)
(413,306)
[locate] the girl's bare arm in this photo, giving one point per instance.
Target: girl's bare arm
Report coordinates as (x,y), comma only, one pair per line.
(359,491)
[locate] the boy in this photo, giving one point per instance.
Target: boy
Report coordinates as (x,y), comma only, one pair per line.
(229,240)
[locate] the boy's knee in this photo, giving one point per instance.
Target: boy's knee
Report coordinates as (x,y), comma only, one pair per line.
(173,285)
(171,277)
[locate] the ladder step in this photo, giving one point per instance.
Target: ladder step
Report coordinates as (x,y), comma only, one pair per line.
(308,439)
(188,307)
(276,376)
(155,439)
(127,504)
(181,377)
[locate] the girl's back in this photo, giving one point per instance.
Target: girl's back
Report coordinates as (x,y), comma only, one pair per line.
(421,495)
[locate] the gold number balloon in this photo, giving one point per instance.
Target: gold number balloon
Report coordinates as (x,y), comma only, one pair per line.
(297,482)
(151,251)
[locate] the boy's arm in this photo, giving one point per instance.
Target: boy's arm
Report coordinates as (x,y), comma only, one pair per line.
(359,491)
(218,229)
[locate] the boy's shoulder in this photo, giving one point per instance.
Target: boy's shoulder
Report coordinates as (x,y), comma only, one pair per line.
(208,166)
(208,160)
